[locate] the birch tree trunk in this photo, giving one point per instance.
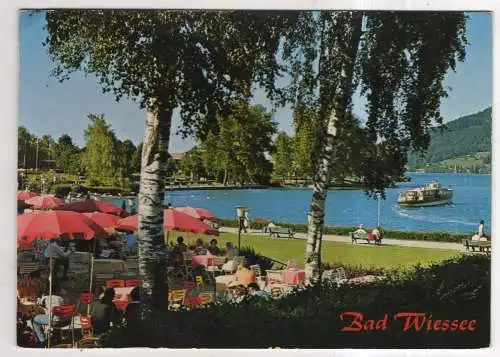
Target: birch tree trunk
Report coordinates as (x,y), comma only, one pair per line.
(152,249)
(340,39)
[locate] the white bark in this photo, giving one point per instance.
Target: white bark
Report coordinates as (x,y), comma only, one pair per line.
(340,91)
(320,189)
(152,252)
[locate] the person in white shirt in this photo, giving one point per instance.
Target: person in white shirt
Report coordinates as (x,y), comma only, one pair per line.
(60,257)
(40,320)
(480,232)
(376,233)
(360,230)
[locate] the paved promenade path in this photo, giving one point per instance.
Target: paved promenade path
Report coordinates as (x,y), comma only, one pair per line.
(345,239)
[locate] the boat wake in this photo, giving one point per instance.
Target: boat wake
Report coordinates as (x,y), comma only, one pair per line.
(412,214)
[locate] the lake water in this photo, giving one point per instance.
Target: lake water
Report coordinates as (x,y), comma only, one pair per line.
(471,203)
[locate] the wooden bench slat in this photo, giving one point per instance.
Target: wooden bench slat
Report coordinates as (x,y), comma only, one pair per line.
(279,231)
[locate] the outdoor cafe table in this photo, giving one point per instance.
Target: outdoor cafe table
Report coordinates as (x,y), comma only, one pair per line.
(206,260)
(109,266)
(293,276)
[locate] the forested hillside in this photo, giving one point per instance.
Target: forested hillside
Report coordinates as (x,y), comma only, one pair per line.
(462,145)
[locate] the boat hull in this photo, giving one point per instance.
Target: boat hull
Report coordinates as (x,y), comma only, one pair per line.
(425,204)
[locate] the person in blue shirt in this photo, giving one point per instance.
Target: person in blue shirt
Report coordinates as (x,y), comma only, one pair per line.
(129,243)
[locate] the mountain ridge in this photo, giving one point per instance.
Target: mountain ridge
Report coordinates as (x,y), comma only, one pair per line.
(460,145)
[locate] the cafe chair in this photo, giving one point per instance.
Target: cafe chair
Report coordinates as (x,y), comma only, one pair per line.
(62,320)
(276,292)
(206,298)
(176,298)
(84,302)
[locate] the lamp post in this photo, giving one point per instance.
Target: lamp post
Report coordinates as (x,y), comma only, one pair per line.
(378,209)
(240,213)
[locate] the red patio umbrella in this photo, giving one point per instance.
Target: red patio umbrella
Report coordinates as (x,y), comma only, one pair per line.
(105,220)
(24,195)
(173,220)
(53,224)
(92,206)
(197,212)
(45,202)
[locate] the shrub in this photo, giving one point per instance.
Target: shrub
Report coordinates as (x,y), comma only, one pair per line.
(353,271)
(344,231)
(109,190)
(254,258)
(458,288)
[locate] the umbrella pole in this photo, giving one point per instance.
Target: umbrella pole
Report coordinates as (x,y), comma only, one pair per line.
(50,297)
(168,232)
(91,273)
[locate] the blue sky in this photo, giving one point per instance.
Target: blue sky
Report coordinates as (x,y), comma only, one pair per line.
(49,107)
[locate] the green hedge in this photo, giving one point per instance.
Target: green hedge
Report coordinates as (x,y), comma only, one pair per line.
(344,231)
(456,289)
(107,189)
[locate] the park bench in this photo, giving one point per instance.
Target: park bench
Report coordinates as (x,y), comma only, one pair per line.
(364,236)
(481,246)
(279,232)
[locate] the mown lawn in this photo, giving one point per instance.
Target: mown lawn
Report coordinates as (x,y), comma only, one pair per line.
(360,255)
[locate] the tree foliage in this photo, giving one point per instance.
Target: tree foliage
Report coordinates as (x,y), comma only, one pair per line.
(399,62)
(34,152)
(460,137)
(282,160)
(192,165)
(240,146)
(67,155)
(100,158)
(202,61)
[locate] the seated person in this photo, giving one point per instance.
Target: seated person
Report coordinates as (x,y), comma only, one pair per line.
(231,250)
(480,236)
(244,276)
(376,233)
(360,231)
(180,245)
(132,315)
(271,225)
(176,256)
(104,312)
(33,285)
(200,247)
(130,244)
(254,290)
(213,249)
(39,247)
(39,321)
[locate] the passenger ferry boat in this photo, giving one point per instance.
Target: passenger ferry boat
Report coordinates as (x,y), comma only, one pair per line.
(432,194)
